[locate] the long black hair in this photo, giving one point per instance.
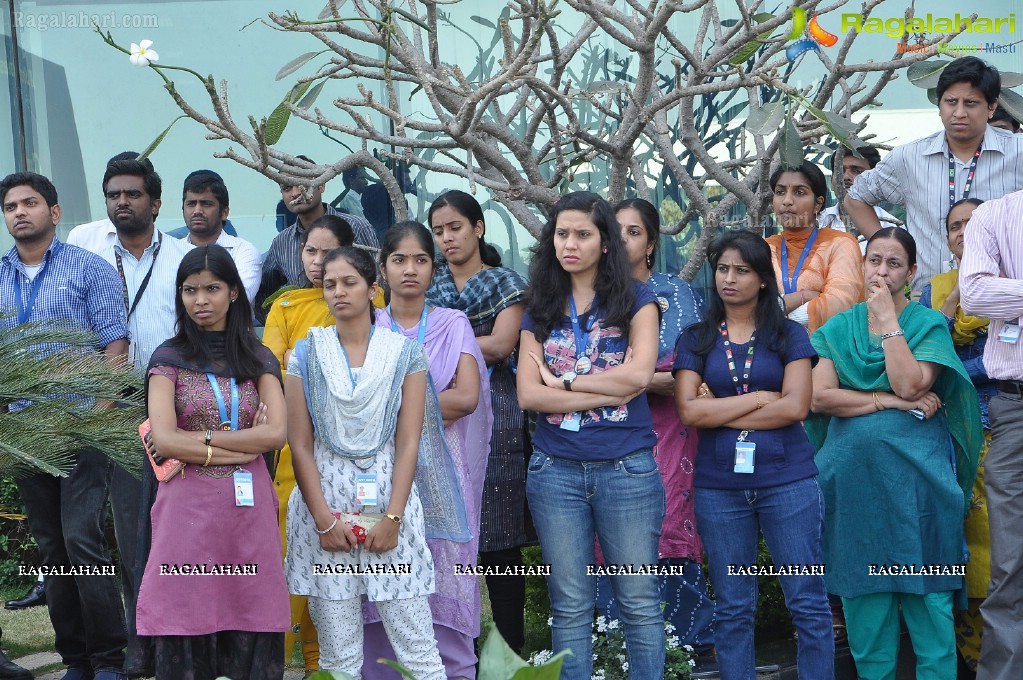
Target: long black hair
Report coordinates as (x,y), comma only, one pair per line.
(241,347)
(469,208)
(651,220)
(550,285)
(768,316)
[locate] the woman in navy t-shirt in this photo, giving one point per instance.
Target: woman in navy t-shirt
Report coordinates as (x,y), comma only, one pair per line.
(587,352)
(743,378)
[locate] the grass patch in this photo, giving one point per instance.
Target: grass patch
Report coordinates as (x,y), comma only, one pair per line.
(26,631)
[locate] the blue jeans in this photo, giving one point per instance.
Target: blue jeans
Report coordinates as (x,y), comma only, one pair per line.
(791,517)
(621,501)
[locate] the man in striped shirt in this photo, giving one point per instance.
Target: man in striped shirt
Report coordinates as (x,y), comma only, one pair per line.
(968,158)
(991,287)
(283,262)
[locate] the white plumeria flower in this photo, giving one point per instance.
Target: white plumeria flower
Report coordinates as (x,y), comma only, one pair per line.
(142,55)
(612,624)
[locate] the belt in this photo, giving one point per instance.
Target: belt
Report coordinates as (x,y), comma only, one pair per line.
(1011,387)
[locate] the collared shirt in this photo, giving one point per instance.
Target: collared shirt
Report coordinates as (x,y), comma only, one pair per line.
(77,288)
(282,265)
(991,279)
(153,320)
(915,175)
(93,236)
(831,218)
(246,258)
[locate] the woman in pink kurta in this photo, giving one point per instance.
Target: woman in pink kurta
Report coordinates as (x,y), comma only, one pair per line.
(213,597)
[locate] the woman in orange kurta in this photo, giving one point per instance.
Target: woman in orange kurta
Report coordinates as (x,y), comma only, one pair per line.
(821,270)
(292,315)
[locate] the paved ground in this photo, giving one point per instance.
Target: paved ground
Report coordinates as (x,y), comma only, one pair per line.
(34,661)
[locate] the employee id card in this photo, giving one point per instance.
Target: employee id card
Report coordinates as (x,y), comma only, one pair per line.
(243,493)
(744,455)
(571,421)
(366,489)
(1009,333)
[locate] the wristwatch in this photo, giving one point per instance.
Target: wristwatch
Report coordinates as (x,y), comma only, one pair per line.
(394,518)
(569,378)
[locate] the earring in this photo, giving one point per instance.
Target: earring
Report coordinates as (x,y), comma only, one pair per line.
(233,300)
(605,250)
(650,261)
(763,285)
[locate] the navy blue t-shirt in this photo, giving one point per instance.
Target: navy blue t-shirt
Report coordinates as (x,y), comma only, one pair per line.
(608,432)
(783,455)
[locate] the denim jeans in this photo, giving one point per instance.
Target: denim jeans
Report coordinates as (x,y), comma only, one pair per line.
(621,501)
(66,519)
(791,516)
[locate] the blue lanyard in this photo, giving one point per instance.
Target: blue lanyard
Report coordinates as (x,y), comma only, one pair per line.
(422,323)
(25,311)
(581,360)
(222,407)
(348,364)
(790,281)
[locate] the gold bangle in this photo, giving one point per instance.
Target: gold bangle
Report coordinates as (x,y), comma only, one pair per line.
(877,402)
(759,405)
(209,455)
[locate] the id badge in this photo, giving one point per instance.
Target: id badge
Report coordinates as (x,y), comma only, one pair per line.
(571,422)
(744,454)
(366,489)
(243,493)
(1009,333)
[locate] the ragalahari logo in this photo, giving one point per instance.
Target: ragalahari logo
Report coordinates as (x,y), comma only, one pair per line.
(808,35)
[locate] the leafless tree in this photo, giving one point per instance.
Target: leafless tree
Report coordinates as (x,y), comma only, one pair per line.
(533,114)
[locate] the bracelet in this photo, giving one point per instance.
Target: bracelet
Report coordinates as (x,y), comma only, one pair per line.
(209,455)
(209,437)
(759,405)
(877,402)
(802,297)
(328,529)
(394,518)
(893,334)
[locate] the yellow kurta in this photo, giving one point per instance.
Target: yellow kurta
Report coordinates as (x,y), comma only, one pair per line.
(834,268)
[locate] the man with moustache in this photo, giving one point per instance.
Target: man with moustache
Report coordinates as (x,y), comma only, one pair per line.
(283,262)
(967,159)
(205,206)
(834,216)
(146,261)
(44,280)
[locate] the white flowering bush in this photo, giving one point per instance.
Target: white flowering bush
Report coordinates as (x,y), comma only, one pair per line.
(610,661)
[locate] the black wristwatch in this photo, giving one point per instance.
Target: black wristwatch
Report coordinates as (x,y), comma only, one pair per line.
(569,378)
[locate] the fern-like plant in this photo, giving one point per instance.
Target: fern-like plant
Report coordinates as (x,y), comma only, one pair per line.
(58,371)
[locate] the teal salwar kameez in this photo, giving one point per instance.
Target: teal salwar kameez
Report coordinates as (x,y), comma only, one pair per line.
(895,491)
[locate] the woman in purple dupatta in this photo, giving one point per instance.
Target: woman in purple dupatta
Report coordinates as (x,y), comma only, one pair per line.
(458,373)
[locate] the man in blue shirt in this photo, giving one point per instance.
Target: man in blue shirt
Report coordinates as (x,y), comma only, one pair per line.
(42,279)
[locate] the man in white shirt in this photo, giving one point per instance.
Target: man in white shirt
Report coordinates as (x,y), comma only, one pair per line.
(147,262)
(205,206)
(834,216)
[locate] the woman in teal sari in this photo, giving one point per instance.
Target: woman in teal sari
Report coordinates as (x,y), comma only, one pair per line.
(898,432)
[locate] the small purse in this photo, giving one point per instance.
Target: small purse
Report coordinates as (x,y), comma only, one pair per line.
(163,468)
